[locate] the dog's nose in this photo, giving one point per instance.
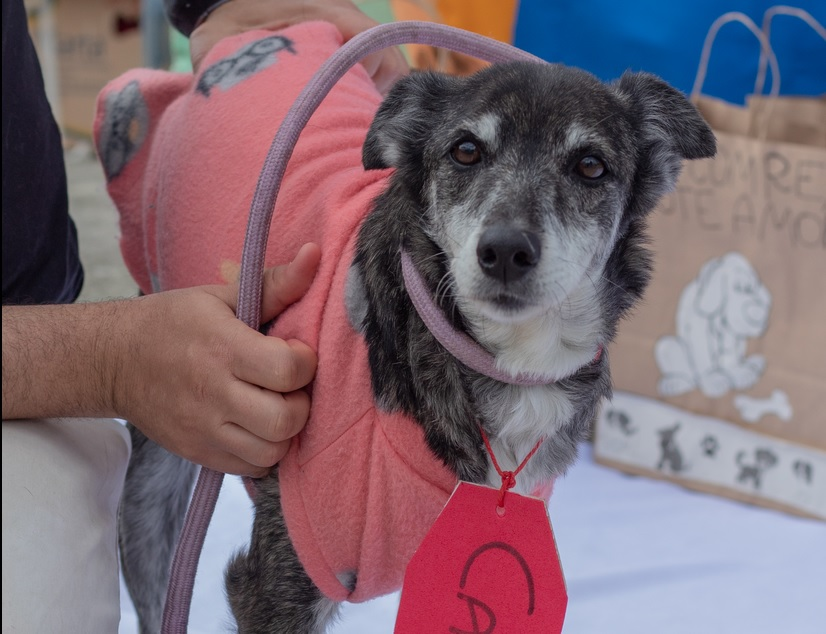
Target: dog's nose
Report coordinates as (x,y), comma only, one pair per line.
(507,254)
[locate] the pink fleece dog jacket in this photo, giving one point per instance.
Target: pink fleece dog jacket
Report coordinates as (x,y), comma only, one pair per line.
(182,156)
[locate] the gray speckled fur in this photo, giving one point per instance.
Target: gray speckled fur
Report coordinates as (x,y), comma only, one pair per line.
(639,125)
(155,497)
(268,589)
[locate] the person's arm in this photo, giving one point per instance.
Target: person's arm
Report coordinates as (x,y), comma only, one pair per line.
(178,365)
(208,21)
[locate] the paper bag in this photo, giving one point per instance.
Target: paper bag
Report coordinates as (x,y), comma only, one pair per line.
(721,374)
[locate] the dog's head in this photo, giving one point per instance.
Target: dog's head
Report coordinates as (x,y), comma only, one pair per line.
(529,174)
(729,288)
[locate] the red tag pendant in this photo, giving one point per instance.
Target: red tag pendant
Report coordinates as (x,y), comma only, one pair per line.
(481,571)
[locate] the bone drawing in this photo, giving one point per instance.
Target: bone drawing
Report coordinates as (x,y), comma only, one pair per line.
(753,409)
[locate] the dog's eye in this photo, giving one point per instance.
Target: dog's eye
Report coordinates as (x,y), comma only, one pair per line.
(590,167)
(466,152)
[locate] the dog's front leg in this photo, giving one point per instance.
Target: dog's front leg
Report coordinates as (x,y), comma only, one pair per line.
(152,510)
(268,590)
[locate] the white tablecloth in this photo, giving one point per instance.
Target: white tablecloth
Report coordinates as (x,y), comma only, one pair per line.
(640,557)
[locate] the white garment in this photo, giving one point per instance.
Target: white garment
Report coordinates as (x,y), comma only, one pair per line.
(62,482)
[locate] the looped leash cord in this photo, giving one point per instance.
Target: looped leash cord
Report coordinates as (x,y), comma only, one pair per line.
(508,477)
(205,496)
(457,343)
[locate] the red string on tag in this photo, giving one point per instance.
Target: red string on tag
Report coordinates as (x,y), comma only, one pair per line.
(508,477)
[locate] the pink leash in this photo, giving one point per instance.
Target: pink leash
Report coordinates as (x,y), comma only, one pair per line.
(457,343)
(205,496)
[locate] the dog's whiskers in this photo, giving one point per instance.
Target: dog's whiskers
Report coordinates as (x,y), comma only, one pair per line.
(444,288)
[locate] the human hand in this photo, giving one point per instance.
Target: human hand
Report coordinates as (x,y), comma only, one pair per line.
(239,16)
(204,385)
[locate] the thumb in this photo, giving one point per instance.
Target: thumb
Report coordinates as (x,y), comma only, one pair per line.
(287,283)
(385,67)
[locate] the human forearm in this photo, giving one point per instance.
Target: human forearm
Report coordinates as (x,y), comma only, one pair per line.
(58,361)
(178,365)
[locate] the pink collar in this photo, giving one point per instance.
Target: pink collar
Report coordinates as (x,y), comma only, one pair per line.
(458,343)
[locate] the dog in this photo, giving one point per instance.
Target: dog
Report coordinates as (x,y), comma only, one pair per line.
(519,196)
(670,455)
(764,459)
(621,421)
(718,312)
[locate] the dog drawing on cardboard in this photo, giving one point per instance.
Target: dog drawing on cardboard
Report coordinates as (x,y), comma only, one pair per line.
(718,312)
(519,195)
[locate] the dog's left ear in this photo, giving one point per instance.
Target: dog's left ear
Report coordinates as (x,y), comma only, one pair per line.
(664,114)
(668,128)
(403,119)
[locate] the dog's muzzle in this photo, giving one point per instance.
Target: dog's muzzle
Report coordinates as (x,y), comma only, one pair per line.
(507,254)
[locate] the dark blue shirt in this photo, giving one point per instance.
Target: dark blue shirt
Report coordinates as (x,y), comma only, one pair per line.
(40,253)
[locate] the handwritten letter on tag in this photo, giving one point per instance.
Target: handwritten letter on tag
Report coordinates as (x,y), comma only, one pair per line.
(480,571)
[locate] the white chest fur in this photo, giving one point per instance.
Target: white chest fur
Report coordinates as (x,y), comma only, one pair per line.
(519,417)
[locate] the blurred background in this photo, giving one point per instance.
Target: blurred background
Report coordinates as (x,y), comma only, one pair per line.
(84,43)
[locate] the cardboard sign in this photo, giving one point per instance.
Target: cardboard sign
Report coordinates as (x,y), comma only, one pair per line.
(484,571)
(83,44)
(733,327)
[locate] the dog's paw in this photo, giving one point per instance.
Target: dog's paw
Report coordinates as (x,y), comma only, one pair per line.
(715,383)
(746,375)
(675,384)
(672,356)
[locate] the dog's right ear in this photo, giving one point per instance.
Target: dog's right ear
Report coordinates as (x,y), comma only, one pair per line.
(403,119)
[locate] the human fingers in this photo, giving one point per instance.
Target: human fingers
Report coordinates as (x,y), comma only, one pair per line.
(286,284)
(260,436)
(392,67)
(269,362)
(251,453)
(216,445)
(246,438)
(385,67)
(272,363)
(281,286)
(269,416)
(229,463)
